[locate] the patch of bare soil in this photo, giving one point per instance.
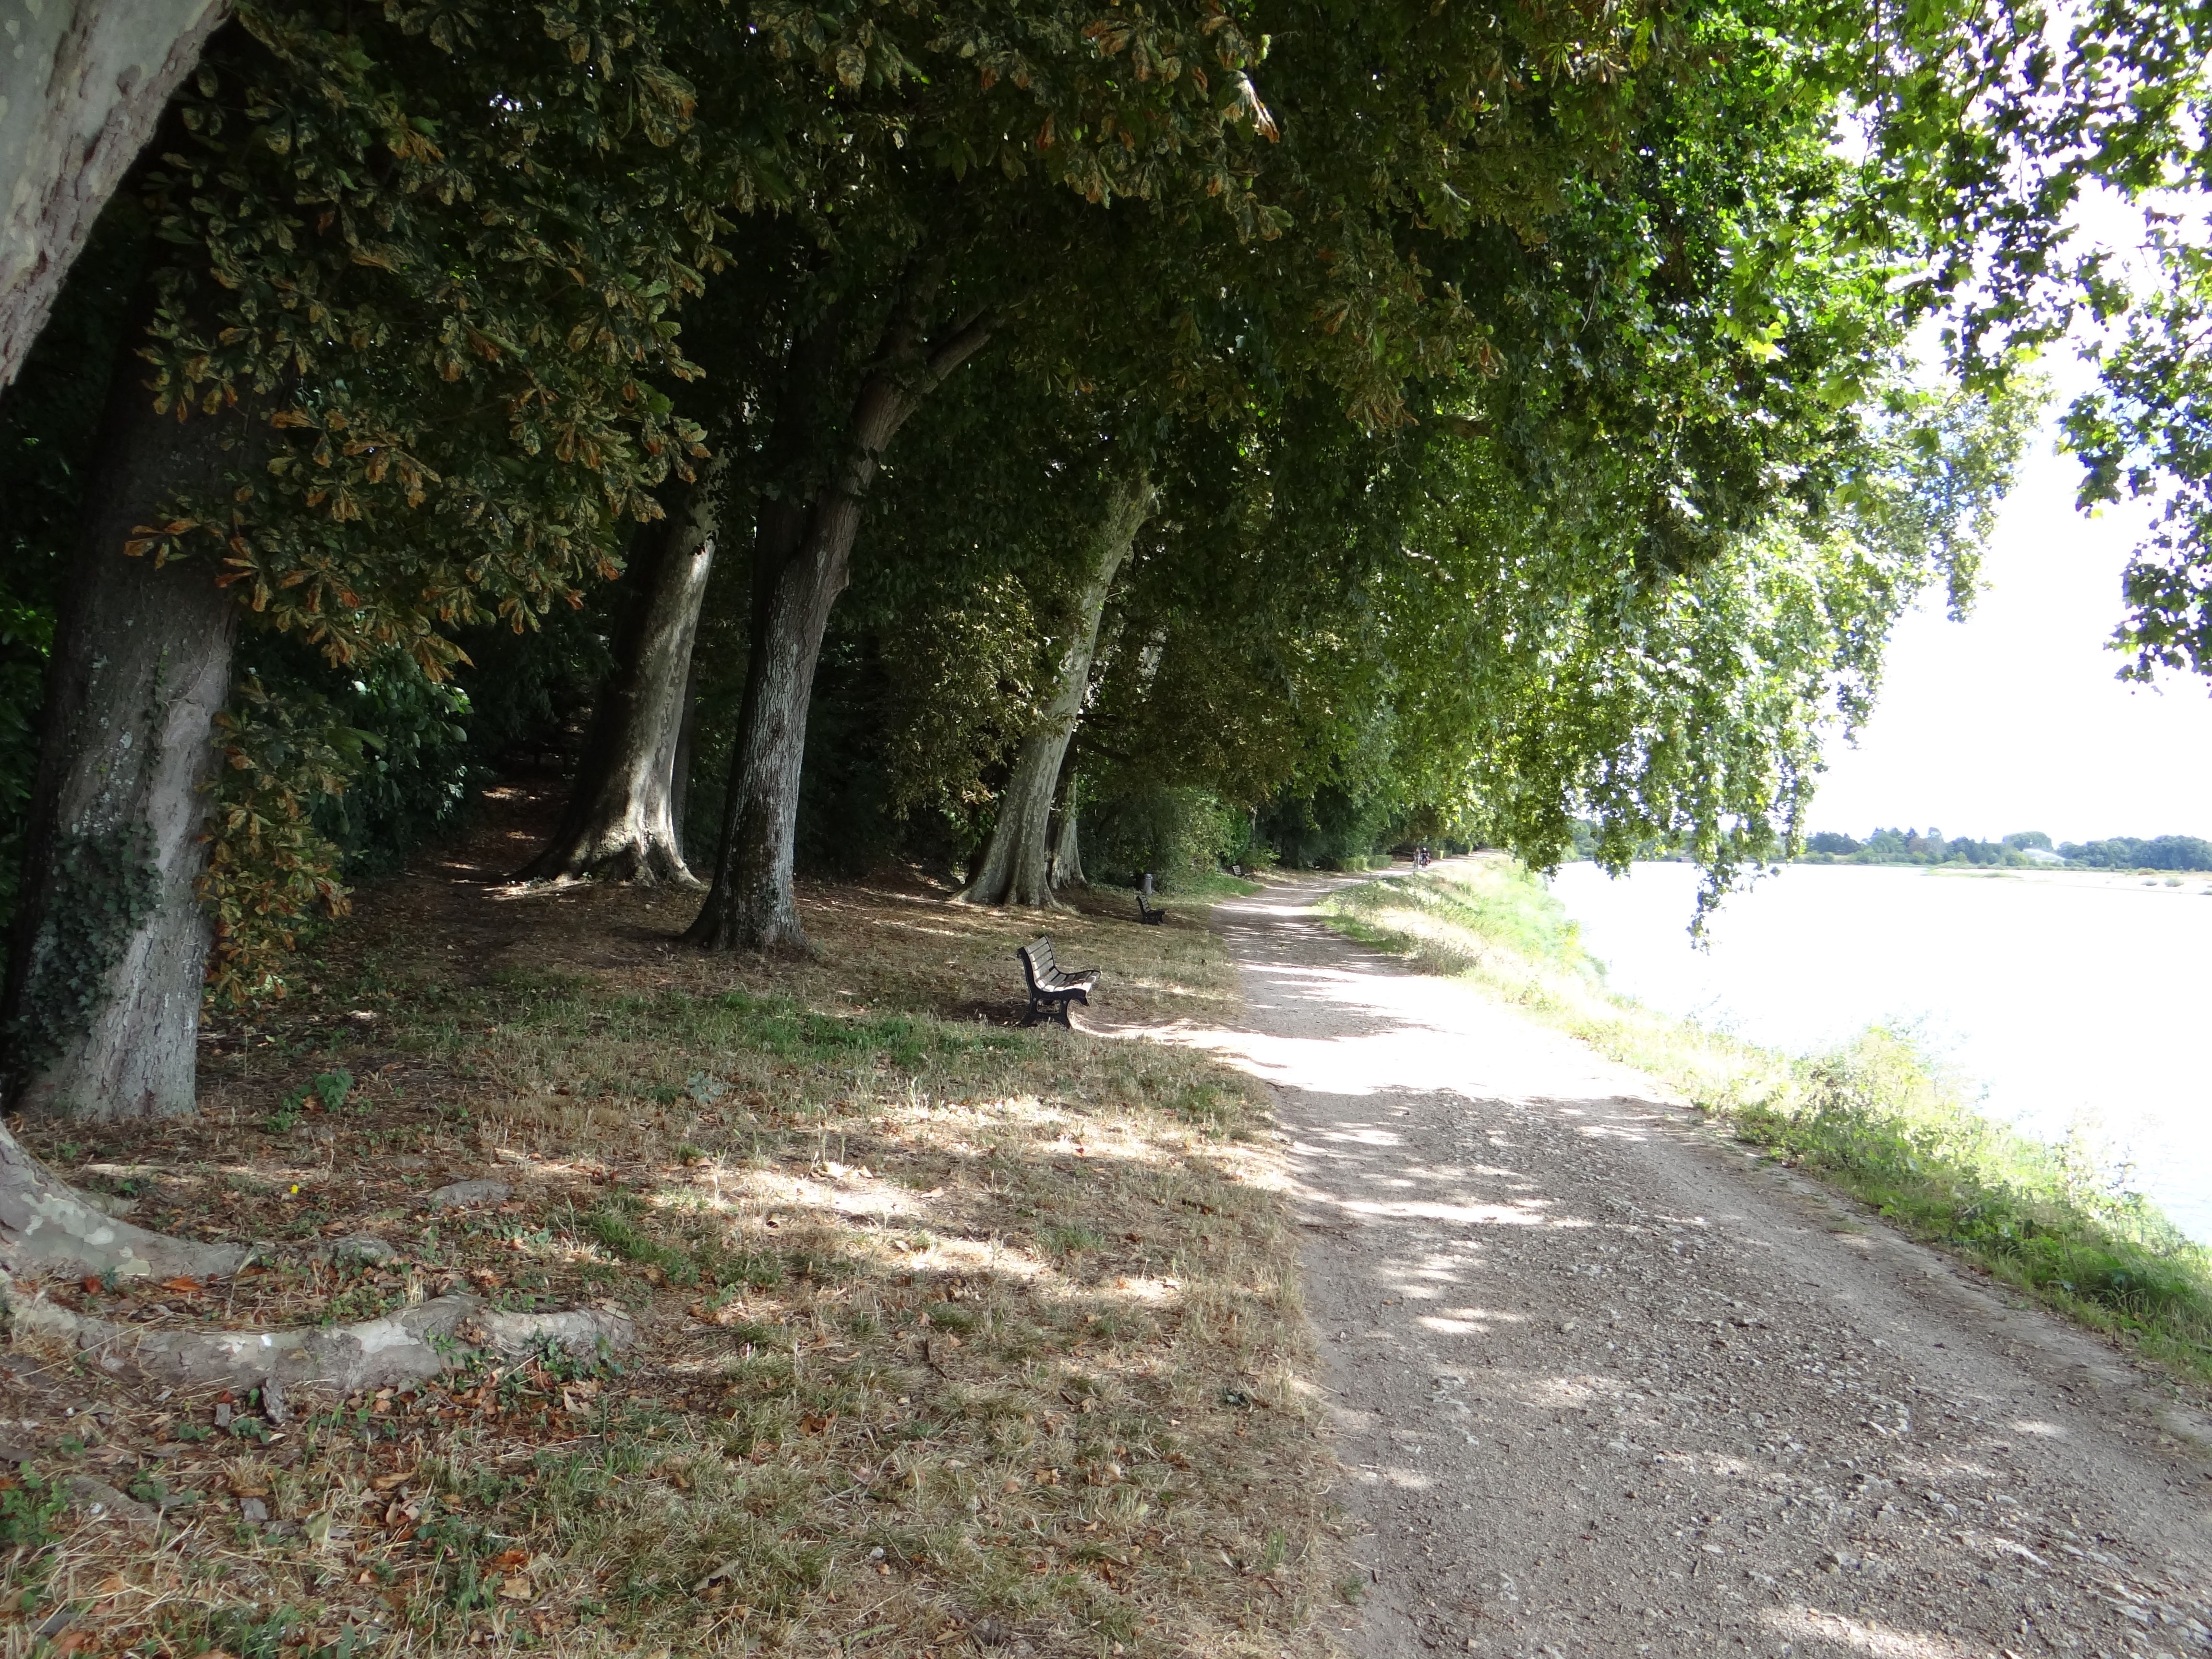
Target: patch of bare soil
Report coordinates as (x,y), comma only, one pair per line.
(1604,1384)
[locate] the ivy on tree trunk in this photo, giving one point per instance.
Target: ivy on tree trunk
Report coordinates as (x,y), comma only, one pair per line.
(101,1014)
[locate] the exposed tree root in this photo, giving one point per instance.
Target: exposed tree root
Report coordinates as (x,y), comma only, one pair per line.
(48,1227)
(411,1346)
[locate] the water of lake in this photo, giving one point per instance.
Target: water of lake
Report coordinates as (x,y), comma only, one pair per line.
(2069,997)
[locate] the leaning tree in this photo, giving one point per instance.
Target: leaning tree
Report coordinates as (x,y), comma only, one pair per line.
(82,88)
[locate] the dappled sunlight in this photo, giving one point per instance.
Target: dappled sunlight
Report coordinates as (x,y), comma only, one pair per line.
(1805,1624)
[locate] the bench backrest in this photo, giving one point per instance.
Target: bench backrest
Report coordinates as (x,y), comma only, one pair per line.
(1036,959)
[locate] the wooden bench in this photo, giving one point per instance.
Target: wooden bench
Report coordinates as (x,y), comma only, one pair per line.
(1051,986)
(1146,915)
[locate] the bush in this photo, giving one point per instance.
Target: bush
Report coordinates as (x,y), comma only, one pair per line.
(1178,834)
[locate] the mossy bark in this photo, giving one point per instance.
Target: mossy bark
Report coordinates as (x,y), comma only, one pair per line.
(102,1000)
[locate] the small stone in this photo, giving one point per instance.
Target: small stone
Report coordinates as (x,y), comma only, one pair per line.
(272,1403)
(365,1249)
(255,1510)
(459,1193)
(222,1417)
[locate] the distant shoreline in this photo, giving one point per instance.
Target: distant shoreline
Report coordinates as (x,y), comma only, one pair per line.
(2189,882)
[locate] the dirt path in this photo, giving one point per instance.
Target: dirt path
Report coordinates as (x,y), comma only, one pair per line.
(1604,1385)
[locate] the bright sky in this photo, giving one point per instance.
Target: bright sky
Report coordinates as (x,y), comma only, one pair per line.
(2011,719)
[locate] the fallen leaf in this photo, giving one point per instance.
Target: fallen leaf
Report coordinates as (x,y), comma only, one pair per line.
(728,1570)
(386,1482)
(516,1588)
(511,1558)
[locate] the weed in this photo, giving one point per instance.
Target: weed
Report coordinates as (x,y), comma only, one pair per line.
(30,1509)
(1063,1240)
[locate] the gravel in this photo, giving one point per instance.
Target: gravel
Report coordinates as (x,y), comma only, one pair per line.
(1604,1384)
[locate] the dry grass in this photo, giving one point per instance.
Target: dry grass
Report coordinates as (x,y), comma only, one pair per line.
(953,1337)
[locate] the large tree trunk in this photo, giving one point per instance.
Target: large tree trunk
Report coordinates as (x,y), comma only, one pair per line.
(101,1013)
(82,84)
(1017,868)
(620,821)
(802,556)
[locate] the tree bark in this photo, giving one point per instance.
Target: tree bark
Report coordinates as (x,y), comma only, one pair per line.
(1017,868)
(47,1228)
(102,1002)
(1067,867)
(621,822)
(802,557)
(413,1345)
(82,86)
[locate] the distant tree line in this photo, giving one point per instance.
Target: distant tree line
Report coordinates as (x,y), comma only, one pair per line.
(2028,847)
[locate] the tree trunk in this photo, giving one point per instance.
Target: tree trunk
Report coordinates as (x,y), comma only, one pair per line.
(802,556)
(1066,856)
(1016,869)
(679,776)
(82,86)
(101,1014)
(621,821)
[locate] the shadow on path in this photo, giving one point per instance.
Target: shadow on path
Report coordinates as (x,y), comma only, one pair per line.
(1604,1385)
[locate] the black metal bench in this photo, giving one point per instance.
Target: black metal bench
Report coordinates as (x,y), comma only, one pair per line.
(1146,915)
(1051,986)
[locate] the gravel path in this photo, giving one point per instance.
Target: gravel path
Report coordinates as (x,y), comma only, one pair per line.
(1604,1384)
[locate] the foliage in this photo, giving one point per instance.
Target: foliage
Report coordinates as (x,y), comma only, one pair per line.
(1875,1116)
(2128,853)
(31,1510)
(106,884)
(391,246)
(269,868)
(1178,834)
(2017,851)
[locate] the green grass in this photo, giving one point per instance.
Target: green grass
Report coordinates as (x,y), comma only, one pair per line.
(1206,884)
(1875,1116)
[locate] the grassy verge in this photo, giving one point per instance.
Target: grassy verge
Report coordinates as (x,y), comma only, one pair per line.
(953,1337)
(1873,1117)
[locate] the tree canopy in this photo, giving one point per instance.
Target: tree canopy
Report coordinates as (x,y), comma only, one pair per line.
(1526,393)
